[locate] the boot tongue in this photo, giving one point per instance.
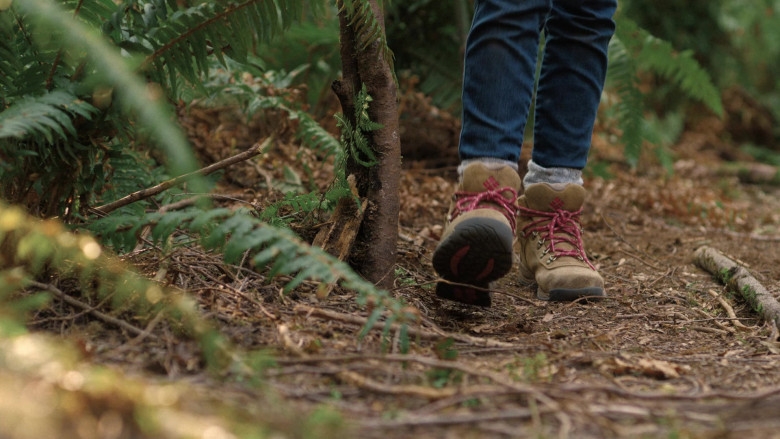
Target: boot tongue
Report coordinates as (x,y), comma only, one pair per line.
(478,178)
(545,198)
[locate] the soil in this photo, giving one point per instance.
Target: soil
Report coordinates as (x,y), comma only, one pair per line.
(660,357)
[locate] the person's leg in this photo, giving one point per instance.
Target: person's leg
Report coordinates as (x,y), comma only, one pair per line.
(550,244)
(501,52)
(498,78)
(577,33)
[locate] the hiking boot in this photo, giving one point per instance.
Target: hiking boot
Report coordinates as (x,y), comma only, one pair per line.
(476,245)
(550,244)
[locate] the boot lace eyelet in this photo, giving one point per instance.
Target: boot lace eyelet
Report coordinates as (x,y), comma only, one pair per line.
(563,230)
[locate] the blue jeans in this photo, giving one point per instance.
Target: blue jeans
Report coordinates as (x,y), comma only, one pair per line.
(500,67)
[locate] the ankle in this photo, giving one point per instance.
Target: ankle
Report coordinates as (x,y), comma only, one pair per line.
(488,162)
(558,178)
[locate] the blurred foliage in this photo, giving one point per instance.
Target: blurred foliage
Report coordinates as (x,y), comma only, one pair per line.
(738,42)
(33,248)
(238,234)
(428,38)
(60,74)
(686,25)
(175,43)
(48,391)
(633,52)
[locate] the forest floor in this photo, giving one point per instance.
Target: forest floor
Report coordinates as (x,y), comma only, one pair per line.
(660,357)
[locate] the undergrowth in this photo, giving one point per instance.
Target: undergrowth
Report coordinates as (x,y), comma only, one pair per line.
(89,89)
(632,52)
(87,85)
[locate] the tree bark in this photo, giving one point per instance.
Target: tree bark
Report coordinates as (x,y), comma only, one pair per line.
(374,252)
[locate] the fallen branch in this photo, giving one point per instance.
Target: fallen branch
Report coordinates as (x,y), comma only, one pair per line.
(154,190)
(740,280)
(79,304)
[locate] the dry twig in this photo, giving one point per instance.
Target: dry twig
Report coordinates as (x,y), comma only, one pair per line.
(729,310)
(79,304)
(154,190)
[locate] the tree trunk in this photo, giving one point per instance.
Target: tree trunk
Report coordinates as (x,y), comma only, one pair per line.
(374,252)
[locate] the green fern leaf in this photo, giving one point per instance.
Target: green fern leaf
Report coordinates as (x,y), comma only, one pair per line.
(181,40)
(367,26)
(47,116)
(630,108)
(658,56)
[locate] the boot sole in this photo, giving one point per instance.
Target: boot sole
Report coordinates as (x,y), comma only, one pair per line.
(477,252)
(570,295)
(560,294)
(565,294)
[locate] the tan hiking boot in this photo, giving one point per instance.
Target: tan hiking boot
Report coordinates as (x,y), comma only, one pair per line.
(550,246)
(476,245)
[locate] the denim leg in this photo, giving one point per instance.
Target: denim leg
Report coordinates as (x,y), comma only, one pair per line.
(574,66)
(498,78)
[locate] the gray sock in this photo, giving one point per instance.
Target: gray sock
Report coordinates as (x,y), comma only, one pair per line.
(558,177)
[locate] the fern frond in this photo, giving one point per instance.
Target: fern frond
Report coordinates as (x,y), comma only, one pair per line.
(253,98)
(24,66)
(30,245)
(47,116)
(113,68)
(681,68)
(314,136)
(622,77)
(181,40)
(278,249)
(92,12)
(353,138)
(367,27)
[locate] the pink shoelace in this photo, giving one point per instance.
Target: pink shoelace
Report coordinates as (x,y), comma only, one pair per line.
(489,199)
(561,222)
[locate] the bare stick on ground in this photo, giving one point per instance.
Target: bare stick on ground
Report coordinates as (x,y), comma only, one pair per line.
(154,190)
(79,304)
(740,280)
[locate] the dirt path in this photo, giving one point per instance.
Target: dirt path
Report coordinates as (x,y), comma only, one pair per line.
(660,357)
